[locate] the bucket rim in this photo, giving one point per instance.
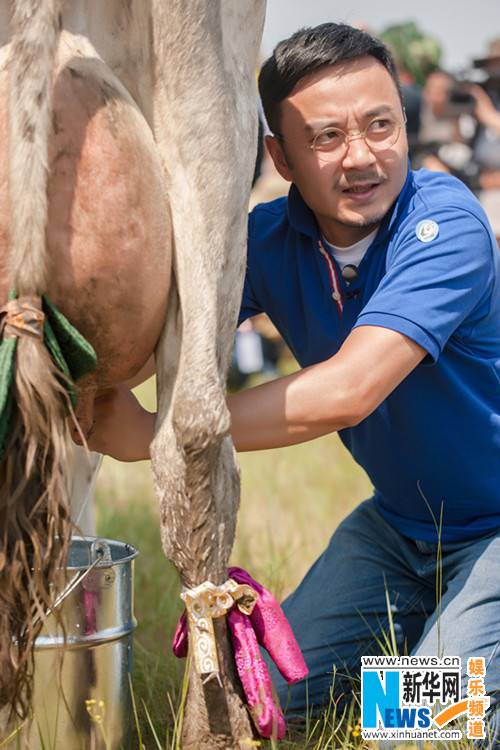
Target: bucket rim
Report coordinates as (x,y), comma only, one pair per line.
(131,552)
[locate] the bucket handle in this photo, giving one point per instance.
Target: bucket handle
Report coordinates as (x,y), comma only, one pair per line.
(102,554)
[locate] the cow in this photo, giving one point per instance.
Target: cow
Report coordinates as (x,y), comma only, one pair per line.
(127,142)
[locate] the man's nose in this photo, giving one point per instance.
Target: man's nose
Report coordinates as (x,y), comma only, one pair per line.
(358,154)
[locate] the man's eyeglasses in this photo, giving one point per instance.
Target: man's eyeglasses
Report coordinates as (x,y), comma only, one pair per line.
(380,134)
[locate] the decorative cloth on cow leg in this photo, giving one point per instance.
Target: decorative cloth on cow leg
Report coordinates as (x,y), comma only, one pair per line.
(203,604)
(253,623)
(37,317)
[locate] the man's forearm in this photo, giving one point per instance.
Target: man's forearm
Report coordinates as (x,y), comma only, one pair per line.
(337,393)
(323,398)
(290,410)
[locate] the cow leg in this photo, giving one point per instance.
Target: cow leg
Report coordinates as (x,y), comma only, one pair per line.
(198,504)
(206,131)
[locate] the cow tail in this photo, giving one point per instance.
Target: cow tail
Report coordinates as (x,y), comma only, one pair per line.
(35,526)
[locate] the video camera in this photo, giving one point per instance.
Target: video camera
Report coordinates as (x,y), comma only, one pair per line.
(485,72)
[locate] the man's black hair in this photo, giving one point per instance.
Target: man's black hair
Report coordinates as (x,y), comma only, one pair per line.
(308,50)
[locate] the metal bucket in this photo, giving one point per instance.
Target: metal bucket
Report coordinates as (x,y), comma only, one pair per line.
(81,698)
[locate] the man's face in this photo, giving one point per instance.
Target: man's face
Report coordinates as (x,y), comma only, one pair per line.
(349,194)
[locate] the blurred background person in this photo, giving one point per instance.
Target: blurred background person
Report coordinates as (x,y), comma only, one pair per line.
(487,105)
(447,127)
(486,147)
(416,55)
(258,349)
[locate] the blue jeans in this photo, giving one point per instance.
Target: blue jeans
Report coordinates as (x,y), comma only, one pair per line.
(339,611)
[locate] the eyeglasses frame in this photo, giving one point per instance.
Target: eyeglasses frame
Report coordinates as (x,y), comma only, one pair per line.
(348,138)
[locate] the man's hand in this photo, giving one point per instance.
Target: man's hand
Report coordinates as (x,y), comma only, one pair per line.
(122,428)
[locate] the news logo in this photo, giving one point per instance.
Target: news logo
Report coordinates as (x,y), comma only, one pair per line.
(416,697)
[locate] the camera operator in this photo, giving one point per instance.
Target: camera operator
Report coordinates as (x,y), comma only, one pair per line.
(446,128)
(487,104)
(485,111)
(486,145)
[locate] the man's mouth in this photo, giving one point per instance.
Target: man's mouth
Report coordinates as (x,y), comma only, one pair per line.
(363,190)
(365,187)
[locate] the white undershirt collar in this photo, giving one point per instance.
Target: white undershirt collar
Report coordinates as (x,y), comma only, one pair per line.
(352,255)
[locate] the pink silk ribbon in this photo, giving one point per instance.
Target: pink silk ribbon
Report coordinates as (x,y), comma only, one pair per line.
(267,626)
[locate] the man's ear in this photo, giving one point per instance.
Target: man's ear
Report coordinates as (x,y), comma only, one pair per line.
(278,156)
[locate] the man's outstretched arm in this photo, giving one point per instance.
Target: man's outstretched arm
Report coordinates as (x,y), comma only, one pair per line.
(337,393)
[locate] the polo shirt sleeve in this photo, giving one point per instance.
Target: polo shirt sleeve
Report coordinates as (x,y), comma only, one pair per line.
(249,304)
(433,287)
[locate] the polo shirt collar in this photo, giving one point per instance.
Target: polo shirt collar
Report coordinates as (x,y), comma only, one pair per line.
(300,216)
(302,219)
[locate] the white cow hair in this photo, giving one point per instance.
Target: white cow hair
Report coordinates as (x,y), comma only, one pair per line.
(35,26)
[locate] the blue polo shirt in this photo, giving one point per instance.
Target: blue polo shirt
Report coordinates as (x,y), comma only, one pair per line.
(432,448)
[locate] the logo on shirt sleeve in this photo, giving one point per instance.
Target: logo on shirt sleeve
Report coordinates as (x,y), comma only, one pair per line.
(427,230)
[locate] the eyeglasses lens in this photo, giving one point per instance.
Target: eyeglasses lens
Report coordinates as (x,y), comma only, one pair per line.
(332,143)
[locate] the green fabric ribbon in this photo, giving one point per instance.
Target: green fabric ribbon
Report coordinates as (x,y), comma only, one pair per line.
(71,352)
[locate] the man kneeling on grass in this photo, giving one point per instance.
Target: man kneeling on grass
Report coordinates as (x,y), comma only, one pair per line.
(385,284)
